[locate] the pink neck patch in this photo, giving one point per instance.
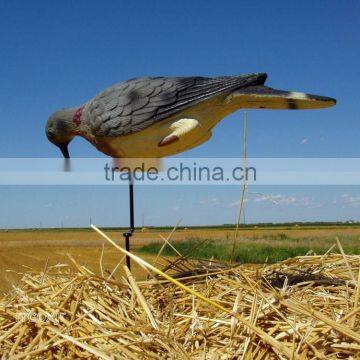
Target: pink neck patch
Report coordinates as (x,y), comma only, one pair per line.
(77,115)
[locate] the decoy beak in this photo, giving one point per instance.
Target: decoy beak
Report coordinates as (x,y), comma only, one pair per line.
(65,151)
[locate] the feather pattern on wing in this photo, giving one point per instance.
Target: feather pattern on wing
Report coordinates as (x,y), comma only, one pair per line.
(135,104)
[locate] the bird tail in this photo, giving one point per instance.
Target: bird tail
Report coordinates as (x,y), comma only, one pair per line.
(263,97)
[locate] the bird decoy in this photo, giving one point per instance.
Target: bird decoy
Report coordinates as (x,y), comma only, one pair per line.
(162,116)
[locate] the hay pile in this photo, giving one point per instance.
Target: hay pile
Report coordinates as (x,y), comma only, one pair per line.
(292,309)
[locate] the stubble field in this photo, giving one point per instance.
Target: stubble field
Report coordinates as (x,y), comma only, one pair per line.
(25,251)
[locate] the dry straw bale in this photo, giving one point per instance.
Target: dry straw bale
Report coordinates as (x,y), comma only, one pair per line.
(60,313)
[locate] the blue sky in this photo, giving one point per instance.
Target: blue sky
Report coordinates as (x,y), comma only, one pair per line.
(60,54)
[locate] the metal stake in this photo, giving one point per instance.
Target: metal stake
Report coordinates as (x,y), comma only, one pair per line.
(128,233)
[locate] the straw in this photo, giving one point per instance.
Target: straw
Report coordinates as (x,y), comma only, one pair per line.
(200,309)
(270,340)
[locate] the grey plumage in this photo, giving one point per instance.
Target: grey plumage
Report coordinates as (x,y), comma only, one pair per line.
(135,104)
(166,116)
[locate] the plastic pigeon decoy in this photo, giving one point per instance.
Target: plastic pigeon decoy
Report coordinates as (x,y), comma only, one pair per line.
(162,116)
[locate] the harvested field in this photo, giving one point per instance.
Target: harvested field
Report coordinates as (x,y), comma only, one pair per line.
(307,307)
(24,249)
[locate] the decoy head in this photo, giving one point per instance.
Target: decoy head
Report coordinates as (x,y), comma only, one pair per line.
(60,130)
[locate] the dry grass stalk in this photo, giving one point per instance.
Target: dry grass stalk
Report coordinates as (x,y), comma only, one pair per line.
(243,188)
(141,298)
(167,240)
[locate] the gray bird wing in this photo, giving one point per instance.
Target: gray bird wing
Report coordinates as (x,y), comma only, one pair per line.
(135,104)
